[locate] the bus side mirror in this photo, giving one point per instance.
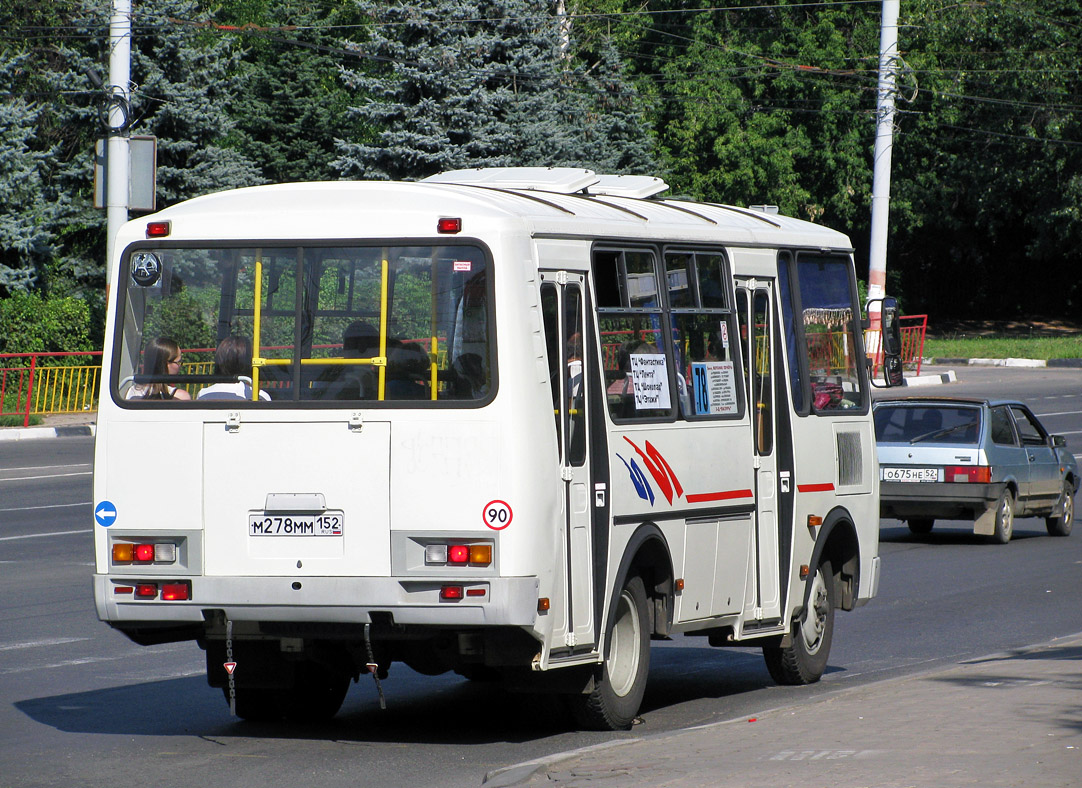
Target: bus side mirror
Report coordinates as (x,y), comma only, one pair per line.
(890,341)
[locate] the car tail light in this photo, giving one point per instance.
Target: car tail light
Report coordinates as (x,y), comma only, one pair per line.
(449,225)
(976,474)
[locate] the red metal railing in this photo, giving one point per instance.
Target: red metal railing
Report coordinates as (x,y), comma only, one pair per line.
(913,328)
(35,383)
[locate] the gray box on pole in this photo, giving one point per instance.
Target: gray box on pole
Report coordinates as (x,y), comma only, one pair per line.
(142,169)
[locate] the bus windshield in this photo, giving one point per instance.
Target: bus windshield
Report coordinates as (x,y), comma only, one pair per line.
(311,323)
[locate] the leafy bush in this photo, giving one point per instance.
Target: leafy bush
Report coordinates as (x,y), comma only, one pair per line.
(32,324)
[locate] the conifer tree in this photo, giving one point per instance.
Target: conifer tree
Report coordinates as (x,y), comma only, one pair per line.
(484,83)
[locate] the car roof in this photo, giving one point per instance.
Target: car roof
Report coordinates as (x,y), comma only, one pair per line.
(931,401)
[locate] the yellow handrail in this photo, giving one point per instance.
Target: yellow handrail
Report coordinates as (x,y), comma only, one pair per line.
(257,359)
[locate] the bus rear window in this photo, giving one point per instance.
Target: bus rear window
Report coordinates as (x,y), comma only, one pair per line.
(321,324)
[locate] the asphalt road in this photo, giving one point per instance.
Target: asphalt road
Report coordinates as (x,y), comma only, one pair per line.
(81,705)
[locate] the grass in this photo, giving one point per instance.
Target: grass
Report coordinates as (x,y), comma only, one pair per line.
(17,421)
(1003,347)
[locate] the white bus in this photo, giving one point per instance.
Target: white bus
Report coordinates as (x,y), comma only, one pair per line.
(513,423)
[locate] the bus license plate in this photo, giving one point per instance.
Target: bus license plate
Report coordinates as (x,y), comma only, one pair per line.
(325,524)
(912,474)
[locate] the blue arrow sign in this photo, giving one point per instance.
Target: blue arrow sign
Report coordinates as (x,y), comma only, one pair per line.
(105,513)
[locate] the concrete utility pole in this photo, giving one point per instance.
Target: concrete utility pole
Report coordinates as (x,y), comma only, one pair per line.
(884,142)
(116,151)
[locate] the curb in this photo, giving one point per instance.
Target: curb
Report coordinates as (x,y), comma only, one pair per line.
(36,433)
(1068,363)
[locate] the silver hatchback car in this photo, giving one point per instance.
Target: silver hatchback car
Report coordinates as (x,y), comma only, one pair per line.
(985,460)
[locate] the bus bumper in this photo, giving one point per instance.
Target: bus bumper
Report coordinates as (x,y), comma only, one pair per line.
(493,601)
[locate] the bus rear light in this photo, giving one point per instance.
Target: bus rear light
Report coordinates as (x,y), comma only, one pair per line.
(144,553)
(448,225)
(451,593)
(459,554)
(124,590)
(165,553)
(146,591)
(481,554)
(176,592)
(975,474)
(476,591)
(158,229)
(123,553)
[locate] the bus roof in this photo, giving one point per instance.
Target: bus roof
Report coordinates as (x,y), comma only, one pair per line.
(568,202)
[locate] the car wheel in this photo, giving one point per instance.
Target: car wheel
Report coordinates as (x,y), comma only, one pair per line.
(805,659)
(920,525)
(1061,525)
(620,681)
(1004,518)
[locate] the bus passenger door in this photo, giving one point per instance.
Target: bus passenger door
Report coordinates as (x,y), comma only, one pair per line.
(753,300)
(563,307)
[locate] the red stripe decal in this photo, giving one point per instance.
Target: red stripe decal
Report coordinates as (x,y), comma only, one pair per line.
(727,495)
(815,487)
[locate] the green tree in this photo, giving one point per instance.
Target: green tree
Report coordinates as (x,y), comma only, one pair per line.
(482,83)
(988,159)
(32,324)
(294,105)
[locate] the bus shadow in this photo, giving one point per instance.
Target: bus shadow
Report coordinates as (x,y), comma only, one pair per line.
(434,710)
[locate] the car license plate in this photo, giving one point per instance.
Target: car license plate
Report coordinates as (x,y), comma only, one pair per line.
(912,474)
(328,523)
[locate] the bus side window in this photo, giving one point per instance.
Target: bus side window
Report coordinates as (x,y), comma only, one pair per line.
(550,314)
(631,321)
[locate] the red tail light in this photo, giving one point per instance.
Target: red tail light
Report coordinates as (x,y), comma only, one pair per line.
(451,592)
(176,592)
(146,590)
(976,474)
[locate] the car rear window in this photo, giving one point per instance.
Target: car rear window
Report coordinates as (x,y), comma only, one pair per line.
(927,424)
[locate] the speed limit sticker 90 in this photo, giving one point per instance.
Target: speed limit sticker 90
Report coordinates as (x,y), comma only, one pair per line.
(497,515)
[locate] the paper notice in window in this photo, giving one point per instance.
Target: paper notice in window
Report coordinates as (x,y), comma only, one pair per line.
(714,388)
(650,381)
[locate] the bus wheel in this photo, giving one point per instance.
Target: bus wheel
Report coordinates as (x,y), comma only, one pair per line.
(804,660)
(620,681)
(257,704)
(317,695)
(920,525)
(1061,526)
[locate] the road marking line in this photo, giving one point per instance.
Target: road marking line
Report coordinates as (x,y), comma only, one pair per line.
(1061,413)
(47,467)
(50,476)
(51,533)
(39,643)
(47,506)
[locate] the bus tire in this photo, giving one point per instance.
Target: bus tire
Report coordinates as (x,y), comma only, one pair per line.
(256,704)
(317,695)
(620,681)
(1061,525)
(804,660)
(920,525)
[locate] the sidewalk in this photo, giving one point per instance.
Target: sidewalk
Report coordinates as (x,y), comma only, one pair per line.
(59,425)
(1012,719)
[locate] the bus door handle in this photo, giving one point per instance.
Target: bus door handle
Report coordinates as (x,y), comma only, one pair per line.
(599,495)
